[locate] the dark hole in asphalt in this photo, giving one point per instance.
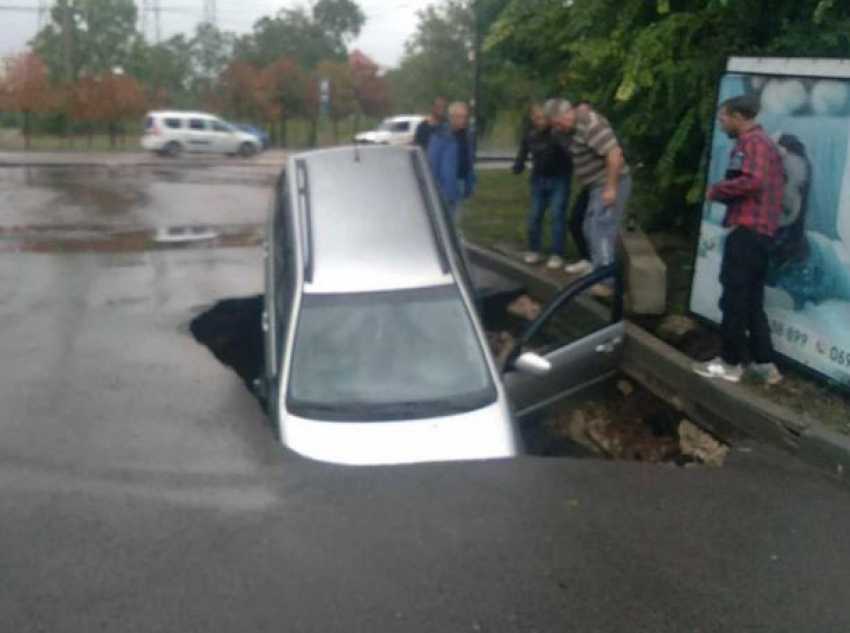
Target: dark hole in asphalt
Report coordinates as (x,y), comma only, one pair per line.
(620,422)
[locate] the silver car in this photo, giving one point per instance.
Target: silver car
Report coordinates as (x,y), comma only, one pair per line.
(375,352)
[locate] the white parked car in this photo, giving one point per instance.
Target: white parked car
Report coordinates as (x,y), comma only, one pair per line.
(396,130)
(170,133)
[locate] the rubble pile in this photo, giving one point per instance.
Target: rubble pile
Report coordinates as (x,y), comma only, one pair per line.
(634,426)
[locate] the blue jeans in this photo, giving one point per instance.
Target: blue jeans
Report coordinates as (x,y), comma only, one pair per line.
(602,224)
(548,193)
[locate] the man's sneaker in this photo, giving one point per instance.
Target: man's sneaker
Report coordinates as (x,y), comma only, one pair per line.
(602,291)
(581,267)
(532,258)
(765,372)
(716,368)
(554,262)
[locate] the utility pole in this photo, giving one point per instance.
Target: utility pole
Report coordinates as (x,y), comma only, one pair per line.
(476,74)
(68,41)
(157,23)
(210,12)
(143,18)
(151,13)
(43,11)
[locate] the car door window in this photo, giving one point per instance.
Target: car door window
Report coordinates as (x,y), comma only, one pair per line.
(401,126)
(218,126)
(576,341)
(197,125)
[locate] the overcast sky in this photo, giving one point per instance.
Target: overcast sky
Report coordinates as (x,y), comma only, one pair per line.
(388,22)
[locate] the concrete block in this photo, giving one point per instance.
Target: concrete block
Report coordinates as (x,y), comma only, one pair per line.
(645,273)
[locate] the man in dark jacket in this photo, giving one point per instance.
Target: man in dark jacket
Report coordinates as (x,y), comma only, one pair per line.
(752,191)
(551,175)
(426,128)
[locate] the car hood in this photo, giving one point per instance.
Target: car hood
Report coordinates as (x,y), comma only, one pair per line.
(486,433)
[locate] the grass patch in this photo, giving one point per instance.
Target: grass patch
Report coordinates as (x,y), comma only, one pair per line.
(496,215)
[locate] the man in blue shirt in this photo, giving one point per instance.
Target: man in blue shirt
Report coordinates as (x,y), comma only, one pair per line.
(451,156)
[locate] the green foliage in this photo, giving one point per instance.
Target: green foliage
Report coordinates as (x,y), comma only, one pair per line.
(101,35)
(653,68)
(307,36)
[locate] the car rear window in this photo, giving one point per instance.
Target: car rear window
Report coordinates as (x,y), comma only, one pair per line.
(148,123)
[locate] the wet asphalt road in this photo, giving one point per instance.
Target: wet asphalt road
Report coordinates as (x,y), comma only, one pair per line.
(140,489)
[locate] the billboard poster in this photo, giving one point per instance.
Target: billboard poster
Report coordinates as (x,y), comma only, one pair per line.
(805,107)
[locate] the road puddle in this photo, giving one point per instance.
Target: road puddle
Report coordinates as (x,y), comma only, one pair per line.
(623,422)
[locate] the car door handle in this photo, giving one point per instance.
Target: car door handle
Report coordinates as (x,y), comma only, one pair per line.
(608,347)
(265,321)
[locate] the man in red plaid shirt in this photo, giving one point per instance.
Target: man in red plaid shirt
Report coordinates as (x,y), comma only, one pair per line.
(752,192)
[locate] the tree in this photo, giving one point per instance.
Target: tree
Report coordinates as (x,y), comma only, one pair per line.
(437,58)
(211,50)
(25,89)
(653,67)
(166,71)
(109,99)
(288,87)
(240,92)
(372,90)
(86,37)
(343,96)
(340,20)
(307,36)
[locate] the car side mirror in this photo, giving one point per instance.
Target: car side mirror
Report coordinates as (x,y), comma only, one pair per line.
(533,364)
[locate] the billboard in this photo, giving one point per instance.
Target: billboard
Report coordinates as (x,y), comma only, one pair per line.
(805,107)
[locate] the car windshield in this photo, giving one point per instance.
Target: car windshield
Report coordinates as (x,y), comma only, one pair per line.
(387,356)
(388,125)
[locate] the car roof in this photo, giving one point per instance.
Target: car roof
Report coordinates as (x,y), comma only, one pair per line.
(370,214)
(183,113)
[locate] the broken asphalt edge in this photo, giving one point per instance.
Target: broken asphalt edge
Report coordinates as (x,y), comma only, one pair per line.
(728,410)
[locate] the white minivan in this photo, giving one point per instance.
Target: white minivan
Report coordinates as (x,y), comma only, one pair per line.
(170,133)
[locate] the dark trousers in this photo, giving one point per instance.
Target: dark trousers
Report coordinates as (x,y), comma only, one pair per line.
(577,223)
(548,193)
(743,275)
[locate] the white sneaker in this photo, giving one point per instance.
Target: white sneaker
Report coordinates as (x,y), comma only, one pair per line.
(765,372)
(581,267)
(554,262)
(716,368)
(532,258)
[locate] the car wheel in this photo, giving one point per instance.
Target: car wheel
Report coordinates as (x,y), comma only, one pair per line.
(173,149)
(246,150)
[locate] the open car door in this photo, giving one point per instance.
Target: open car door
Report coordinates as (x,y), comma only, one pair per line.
(574,344)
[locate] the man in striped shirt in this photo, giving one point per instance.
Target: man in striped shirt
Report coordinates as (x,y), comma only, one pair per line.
(598,162)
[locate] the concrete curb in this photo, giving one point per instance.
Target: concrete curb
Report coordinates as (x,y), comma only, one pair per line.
(727,409)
